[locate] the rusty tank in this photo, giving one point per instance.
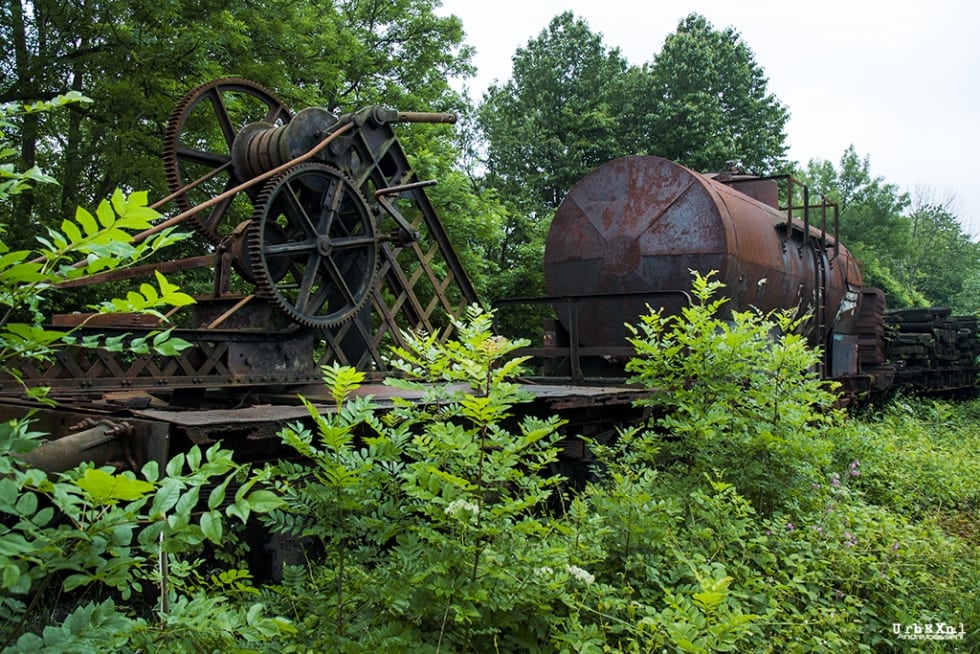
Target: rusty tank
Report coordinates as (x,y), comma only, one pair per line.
(630,232)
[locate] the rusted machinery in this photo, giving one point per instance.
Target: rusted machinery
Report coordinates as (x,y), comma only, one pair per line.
(322,247)
(628,234)
(319,244)
(321,241)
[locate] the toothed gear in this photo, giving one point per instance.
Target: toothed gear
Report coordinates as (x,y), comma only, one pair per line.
(313,245)
(188,145)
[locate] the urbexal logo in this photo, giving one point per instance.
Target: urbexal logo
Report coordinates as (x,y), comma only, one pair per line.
(928,631)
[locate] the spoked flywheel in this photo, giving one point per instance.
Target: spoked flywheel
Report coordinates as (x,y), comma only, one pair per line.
(312,245)
(198,147)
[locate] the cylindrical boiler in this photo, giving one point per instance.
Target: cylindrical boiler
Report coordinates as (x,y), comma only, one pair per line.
(639,225)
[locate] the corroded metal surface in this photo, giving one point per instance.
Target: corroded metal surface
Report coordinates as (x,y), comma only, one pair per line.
(641,224)
(199,141)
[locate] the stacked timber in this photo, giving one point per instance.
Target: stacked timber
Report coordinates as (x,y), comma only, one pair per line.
(932,349)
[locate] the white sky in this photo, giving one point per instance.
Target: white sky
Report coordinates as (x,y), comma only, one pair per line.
(899,80)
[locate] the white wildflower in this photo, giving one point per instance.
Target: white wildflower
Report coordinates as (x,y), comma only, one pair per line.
(582,575)
(544,571)
(459,505)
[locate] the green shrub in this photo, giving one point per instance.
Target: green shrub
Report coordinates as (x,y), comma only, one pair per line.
(93,532)
(120,538)
(431,517)
(428,526)
(923,454)
(736,398)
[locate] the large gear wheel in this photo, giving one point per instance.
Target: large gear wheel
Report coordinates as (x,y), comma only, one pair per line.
(198,142)
(313,246)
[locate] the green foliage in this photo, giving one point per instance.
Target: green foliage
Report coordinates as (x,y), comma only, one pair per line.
(136,58)
(708,573)
(848,535)
(573,103)
(95,530)
(86,245)
(708,106)
(736,395)
(111,532)
(926,477)
(941,257)
(474,217)
(430,518)
(560,116)
(914,249)
(89,628)
(557,118)
(13,181)
(436,525)
(429,545)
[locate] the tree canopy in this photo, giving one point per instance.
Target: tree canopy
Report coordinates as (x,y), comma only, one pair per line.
(574,103)
(710,104)
(559,116)
(137,58)
(912,247)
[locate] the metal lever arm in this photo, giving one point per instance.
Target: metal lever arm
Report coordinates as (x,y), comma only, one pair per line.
(411,234)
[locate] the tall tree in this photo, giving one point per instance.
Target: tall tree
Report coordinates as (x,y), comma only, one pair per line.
(557,118)
(940,256)
(710,107)
(136,58)
(913,248)
(871,209)
(872,224)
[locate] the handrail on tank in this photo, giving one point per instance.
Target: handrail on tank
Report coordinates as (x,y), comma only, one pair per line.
(836,228)
(806,215)
(790,207)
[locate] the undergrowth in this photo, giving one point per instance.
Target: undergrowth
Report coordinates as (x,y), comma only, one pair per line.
(749,516)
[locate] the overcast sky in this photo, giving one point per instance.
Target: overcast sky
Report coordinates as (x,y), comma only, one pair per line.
(899,80)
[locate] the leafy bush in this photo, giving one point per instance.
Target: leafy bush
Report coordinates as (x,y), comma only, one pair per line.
(88,244)
(431,518)
(925,475)
(91,531)
(428,525)
(736,397)
(748,516)
(118,535)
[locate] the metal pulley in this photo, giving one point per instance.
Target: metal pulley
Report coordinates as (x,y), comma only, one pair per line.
(259,147)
